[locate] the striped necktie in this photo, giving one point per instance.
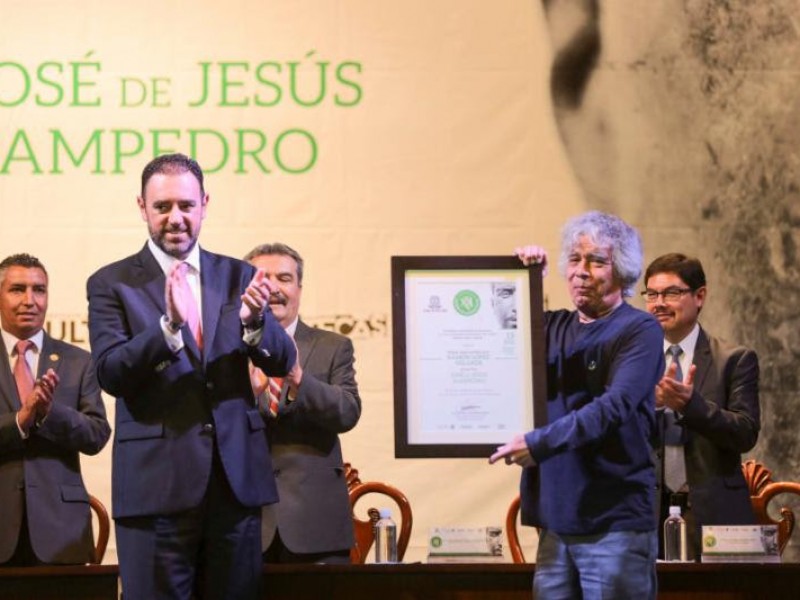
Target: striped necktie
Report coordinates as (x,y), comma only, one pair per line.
(274,385)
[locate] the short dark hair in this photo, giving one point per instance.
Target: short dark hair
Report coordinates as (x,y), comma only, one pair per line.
(688,268)
(20,260)
(280,249)
(172,164)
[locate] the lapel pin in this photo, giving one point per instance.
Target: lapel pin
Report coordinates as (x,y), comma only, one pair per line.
(54,357)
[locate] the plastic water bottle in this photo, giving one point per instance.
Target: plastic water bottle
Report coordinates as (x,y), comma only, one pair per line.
(675,536)
(385,538)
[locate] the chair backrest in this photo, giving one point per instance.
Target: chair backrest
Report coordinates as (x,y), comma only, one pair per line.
(364,528)
(512,534)
(103,529)
(762,491)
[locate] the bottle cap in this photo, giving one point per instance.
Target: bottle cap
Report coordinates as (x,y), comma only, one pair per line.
(674,511)
(385,513)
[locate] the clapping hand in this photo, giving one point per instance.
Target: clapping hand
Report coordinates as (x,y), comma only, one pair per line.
(255,299)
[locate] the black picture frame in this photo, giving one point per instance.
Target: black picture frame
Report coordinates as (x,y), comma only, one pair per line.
(413,273)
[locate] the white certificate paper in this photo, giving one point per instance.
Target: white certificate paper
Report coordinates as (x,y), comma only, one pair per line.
(468,356)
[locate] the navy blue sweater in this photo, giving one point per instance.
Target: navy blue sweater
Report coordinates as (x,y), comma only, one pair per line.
(595,471)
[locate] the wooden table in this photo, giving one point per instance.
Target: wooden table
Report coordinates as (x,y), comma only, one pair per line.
(90,582)
(513,582)
(417,582)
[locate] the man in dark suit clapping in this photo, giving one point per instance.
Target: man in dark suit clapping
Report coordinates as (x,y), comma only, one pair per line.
(50,412)
(707,404)
(172,329)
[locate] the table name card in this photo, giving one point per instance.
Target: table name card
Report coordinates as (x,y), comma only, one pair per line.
(465,544)
(740,543)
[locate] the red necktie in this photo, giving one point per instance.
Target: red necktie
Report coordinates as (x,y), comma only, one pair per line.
(274,386)
(22,371)
(192,314)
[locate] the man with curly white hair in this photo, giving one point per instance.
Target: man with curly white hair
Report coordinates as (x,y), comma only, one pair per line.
(588,477)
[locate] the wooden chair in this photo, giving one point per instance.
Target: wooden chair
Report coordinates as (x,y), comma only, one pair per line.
(363,529)
(512,534)
(103,529)
(762,491)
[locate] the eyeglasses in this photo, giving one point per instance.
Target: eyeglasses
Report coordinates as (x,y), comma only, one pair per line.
(671,294)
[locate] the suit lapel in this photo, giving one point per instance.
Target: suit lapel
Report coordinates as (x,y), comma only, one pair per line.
(8,387)
(148,276)
(212,292)
(702,360)
(305,342)
(49,358)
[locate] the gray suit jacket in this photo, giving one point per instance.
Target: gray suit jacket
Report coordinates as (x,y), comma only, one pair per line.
(42,474)
(722,419)
(313,514)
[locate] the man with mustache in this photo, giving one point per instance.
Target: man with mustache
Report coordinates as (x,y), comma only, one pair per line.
(51,411)
(313,522)
(588,477)
(707,402)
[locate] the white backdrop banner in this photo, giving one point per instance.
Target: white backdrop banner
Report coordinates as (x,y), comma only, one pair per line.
(353,130)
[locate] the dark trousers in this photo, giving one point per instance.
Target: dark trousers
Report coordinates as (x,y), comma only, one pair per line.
(212,552)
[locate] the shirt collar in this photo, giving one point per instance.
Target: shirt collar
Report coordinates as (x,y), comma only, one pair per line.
(292,327)
(11,340)
(688,343)
(165,261)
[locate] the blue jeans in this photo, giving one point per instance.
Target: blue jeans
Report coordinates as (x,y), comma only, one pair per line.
(618,565)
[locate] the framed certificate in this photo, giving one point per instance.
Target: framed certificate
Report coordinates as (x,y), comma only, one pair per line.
(469,362)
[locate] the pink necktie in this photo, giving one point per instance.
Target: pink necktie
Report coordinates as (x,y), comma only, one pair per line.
(274,386)
(22,371)
(192,314)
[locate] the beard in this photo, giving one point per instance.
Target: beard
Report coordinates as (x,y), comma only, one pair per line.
(176,247)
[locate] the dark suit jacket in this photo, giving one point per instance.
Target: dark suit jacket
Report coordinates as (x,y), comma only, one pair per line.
(722,419)
(44,471)
(171,408)
(314,514)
